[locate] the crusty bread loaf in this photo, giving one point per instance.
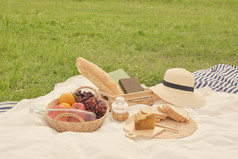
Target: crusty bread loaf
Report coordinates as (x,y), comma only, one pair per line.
(98,77)
(175,113)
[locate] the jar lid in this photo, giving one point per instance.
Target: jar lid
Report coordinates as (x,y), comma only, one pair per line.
(120,98)
(120,103)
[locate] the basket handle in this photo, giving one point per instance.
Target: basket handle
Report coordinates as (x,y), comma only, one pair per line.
(88,87)
(69,114)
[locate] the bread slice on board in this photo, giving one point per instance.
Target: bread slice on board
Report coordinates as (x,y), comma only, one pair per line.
(159,114)
(98,77)
(174,112)
(161,108)
(144,121)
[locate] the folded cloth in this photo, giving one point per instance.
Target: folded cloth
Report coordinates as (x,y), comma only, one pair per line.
(221,78)
(5,106)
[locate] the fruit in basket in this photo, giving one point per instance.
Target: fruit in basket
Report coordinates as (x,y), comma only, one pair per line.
(96,106)
(81,97)
(92,103)
(80,106)
(85,115)
(53,114)
(81,114)
(66,105)
(67,98)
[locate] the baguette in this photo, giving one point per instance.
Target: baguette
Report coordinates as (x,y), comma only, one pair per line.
(98,77)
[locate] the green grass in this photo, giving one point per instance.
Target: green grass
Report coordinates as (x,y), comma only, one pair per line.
(40,40)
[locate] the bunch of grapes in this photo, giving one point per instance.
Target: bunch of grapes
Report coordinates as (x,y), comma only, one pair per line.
(97,106)
(92,103)
(82,97)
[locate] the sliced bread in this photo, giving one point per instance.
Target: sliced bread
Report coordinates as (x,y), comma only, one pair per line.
(174,112)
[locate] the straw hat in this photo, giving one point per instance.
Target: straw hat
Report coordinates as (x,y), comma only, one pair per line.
(178,89)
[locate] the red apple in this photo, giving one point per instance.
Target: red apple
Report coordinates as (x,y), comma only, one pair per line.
(80,106)
(53,114)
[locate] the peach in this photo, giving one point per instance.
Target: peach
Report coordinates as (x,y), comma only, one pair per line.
(53,114)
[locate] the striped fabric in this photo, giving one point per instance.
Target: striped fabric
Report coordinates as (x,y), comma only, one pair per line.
(221,78)
(5,106)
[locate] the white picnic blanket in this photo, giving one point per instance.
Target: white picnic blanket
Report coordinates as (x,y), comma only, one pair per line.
(24,135)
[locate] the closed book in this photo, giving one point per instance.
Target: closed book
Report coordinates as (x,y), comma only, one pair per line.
(118,74)
(130,85)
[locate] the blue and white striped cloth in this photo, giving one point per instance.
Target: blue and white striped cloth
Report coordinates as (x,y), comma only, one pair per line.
(5,106)
(220,78)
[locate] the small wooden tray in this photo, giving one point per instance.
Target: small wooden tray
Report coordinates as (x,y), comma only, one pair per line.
(150,133)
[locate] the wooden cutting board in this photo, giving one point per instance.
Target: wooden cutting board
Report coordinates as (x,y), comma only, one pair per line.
(184,129)
(150,133)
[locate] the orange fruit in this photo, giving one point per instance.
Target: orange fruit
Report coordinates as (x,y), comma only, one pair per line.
(67,98)
(66,105)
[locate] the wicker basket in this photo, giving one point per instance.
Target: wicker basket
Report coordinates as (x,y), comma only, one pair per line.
(75,126)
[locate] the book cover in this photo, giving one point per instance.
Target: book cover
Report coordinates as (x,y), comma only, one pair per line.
(130,85)
(118,74)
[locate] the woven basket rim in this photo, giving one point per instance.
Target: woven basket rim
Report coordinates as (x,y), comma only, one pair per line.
(72,126)
(49,106)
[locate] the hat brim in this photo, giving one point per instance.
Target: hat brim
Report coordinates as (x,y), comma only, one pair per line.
(179,98)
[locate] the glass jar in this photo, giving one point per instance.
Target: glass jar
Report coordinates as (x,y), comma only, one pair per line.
(120,109)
